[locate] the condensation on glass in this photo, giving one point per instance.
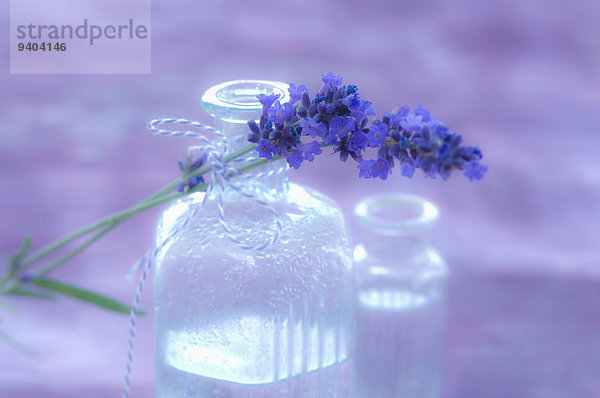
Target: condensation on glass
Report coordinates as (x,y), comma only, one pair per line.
(400,299)
(231,322)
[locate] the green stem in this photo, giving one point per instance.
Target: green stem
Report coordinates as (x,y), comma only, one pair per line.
(104,225)
(111,221)
(66,257)
(50,248)
(108,223)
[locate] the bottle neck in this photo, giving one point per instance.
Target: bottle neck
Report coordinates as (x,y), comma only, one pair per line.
(395,227)
(269,180)
(233,104)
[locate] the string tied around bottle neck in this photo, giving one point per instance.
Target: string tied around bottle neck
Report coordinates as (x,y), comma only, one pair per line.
(223,175)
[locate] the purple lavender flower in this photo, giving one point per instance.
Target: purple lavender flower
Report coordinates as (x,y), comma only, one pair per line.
(412,123)
(341,126)
(190,164)
(374,168)
(442,152)
(426,164)
(294,159)
(362,111)
(306,100)
(339,118)
(365,167)
(358,142)
(301,113)
(266,101)
(407,168)
(433,124)
(268,127)
(431,172)
(330,138)
(266,149)
(286,139)
(423,112)
(331,79)
(399,116)
(254,134)
(296,92)
(190,183)
(279,113)
(188,167)
(312,127)
(377,134)
(309,150)
(475,171)
(351,101)
(381,169)
(342,146)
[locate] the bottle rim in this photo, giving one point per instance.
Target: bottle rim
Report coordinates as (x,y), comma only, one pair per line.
(236,100)
(367,209)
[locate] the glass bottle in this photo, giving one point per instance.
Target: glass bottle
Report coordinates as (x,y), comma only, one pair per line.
(400,299)
(232,322)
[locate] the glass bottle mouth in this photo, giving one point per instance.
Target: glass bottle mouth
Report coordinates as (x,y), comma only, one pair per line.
(235,101)
(396,214)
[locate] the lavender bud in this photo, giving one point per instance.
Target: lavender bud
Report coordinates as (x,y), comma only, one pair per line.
(253,127)
(302,113)
(305,99)
(263,120)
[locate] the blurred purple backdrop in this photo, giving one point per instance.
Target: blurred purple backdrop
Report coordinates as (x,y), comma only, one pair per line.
(521,79)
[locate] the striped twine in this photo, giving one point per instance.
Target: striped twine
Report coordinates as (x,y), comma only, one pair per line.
(222,171)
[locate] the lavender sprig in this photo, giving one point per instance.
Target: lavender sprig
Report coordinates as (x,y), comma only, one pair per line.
(297,131)
(338,117)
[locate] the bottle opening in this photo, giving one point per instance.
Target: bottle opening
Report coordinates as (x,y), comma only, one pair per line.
(396,214)
(236,100)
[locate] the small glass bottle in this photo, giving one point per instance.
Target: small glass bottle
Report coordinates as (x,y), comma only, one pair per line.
(233,322)
(400,299)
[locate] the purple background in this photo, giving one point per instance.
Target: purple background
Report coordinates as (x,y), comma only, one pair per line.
(518,78)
